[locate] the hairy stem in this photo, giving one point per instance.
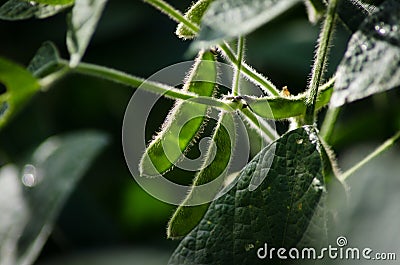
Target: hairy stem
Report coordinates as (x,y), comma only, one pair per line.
(262,128)
(151,86)
(252,74)
(320,61)
(173,13)
(236,78)
(50,79)
(165,90)
(382,148)
(329,123)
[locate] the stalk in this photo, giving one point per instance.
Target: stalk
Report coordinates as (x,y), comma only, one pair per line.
(320,61)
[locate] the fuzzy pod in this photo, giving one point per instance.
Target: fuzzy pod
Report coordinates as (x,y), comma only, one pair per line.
(194,15)
(285,107)
(215,169)
(184,122)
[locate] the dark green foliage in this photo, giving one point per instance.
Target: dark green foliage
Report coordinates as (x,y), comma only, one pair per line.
(371,63)
(277,212)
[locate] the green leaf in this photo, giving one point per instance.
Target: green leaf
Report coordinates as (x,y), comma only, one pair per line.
(184,121)
(352,13)
(192,210)
(287,106)
(20,86)
(371,63)
(45,61)
(194,15)
(274,205)
(227,19)
(31,199)
(334,204)
(82,22)
(21,9)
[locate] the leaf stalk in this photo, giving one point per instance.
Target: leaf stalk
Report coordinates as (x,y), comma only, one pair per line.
(320,61)
(379,150)
(254,76)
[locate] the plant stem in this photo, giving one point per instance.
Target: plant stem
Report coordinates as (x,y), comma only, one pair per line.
(329,123)
(320,61)
(165,90)
(173,13)
(385,146)
(248,71)
(261,127)
(137,82)
(50,79)
(253,75)
(236,78)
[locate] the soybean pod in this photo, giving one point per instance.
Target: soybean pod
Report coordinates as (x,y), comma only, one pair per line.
(194,15)
(287,106)
(184,122)
(211,176)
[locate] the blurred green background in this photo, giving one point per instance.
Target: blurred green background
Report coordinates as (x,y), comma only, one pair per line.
(108,214)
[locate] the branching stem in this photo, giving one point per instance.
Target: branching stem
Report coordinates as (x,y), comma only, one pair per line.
(320,61)
(262,127)
(236,78)
(162,89)
(253,75)
(173,13)
(382,148)
(151,86)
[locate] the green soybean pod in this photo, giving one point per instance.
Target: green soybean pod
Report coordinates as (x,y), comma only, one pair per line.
(184,121)
(213,173)
(194,15)
(287,106)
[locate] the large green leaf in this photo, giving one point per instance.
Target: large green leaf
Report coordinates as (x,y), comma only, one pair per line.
(372,60)
(226,19)
(22,9)
(351,13)
(184,122)
(82,22)
(276,205)
(31,198)
(19,85)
